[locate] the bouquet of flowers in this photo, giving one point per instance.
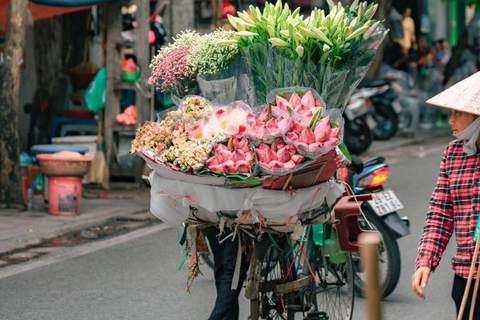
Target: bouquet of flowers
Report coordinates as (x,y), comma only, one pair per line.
(328,52)
(234,141)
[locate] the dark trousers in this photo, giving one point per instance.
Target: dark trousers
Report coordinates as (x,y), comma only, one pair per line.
(225,257)
(459,285)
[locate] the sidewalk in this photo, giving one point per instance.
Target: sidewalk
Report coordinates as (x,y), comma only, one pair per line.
(19,229)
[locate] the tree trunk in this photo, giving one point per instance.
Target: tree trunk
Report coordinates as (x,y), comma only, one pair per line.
(384,7)
(10,178)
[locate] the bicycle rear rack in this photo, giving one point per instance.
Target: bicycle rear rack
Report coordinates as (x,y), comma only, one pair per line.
(346,213)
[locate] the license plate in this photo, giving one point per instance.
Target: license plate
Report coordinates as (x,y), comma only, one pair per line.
(372,124)
(385,202)
(397,106)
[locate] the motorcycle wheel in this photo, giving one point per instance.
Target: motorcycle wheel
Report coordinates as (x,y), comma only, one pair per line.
(387,122)
(358,136)
(388,255)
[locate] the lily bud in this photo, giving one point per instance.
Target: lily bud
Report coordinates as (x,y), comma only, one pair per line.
(326,48)
(278,42)
(330,4)
(226,43)
(370,30)
(300,51)
(246,34)
(307,32)
(321,36)
(271,31)
(354,5)
(245,17)
(375,7)
(357,33)
(285,33)
(299,37)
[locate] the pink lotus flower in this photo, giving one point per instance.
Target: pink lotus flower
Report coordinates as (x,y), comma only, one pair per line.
(242,166)
(323,129)
(307,136)
(297,158)
(276,127)
(283,155)
(235,157)
(277,156)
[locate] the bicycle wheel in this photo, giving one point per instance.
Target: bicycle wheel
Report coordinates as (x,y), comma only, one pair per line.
(334,287)
(269,268)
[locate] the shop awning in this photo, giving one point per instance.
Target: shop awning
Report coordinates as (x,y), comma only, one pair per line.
(41,9)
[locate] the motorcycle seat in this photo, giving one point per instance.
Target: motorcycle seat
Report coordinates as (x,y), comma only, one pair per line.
(373,83)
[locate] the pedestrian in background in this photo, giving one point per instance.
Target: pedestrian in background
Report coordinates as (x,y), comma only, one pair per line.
(455,201)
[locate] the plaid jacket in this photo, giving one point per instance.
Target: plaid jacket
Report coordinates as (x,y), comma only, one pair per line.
(454,207)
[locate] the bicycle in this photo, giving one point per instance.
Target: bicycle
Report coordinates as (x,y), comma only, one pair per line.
(308,277)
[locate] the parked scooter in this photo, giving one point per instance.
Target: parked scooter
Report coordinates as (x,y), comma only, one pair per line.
(381,215)
(384,99)
(359,123)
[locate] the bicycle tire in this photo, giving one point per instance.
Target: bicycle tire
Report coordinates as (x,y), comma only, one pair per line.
(269,267)
(334,287)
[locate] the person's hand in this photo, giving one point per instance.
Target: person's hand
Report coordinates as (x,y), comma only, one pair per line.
(420,280)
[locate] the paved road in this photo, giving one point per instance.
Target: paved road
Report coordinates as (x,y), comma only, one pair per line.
(134,276)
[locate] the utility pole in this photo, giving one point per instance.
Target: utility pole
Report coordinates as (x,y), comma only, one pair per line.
(10,179)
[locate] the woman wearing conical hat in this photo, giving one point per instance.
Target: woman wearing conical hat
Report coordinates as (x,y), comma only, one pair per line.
(455,201)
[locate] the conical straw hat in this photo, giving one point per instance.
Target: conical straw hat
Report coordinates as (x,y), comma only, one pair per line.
(463,96)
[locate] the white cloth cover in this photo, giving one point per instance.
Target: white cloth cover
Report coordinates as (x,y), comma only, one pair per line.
(171,200)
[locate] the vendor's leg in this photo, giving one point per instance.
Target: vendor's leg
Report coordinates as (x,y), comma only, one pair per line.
(459,285)
(226,304)
(217,251)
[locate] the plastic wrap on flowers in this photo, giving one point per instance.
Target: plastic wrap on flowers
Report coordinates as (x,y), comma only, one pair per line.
(231,84)
(278,158)
(255,60)
(287,93)
(315,134)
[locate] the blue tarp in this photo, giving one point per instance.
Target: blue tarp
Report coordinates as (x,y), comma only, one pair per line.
(70,3)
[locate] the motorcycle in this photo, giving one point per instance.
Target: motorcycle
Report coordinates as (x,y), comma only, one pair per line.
(383,98)
(380,214)
(359,123)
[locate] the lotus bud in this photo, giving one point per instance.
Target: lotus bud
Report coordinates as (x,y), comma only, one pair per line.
(354,5)
(300,51)
(279,42)
(370,30)
(271,31)
(246,34)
